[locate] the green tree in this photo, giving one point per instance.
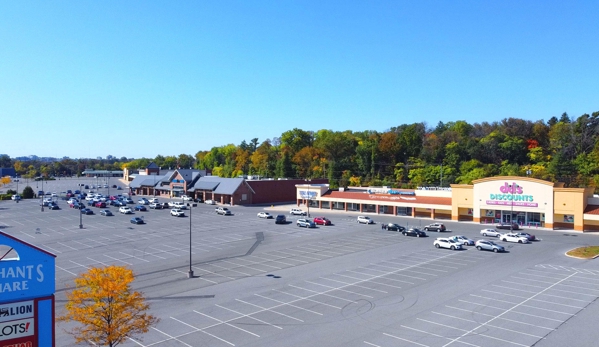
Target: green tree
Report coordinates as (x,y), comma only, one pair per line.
(28,193)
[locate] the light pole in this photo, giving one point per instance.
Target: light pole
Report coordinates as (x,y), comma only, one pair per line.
(190,273)
(80,216)
(42,197)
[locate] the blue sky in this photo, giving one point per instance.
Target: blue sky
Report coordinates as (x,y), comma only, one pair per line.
(142,78)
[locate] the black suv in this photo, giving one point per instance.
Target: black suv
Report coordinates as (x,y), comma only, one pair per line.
(514,226)
(414,232)
(280,219)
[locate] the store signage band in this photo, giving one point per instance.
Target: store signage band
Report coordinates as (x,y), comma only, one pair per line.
(511,195)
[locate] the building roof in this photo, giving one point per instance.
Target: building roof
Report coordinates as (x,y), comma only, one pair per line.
(219,185)
(145,181)
(411,199)
(592,209)
(152,166)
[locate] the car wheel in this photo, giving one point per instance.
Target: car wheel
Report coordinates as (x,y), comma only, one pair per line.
(504,240)
(438,230)
(479,248)
(484,234)
(404,234)
(417,235)
(519,241)
(452,248)
(437,245)
(495,250)
(497,235)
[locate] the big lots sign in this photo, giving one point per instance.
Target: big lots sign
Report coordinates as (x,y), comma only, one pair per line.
(511,195)
(26,294)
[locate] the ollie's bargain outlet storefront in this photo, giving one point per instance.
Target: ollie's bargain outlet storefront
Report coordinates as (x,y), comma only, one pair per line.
(526,201)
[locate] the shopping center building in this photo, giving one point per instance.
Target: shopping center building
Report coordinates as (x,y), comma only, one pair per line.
(527,201)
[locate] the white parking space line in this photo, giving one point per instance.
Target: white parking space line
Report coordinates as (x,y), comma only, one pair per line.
(225,322)
(99,262)
(65,245)
(494,299)
(379,283)
(229,269)
(113,258)
(50,248)
(432,334)
(251,316)
(502,309)
(171,337)
(197,330)
(396,272)
(372,344)
(273,311)
(319,293)
(307,299)
(288,256)
(340,289)
(385,278)
(276,260)
(65,270)
(559,290)
(406,340)
(536,300)
(502,318)
(355,285)
(288,304)
(214,273)
(84,266)
(135,257)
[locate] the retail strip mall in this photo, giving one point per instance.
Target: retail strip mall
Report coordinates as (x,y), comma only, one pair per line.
(527,201)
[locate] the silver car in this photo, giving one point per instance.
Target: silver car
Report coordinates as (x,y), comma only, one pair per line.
(463,240)
(490,232)
(489,246)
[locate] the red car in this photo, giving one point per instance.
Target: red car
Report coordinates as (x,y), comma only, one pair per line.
(100,204)
(322,221)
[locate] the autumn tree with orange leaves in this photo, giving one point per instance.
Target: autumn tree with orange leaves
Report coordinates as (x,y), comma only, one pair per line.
(106,307)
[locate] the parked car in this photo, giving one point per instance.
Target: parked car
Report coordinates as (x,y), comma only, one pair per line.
(153,200)
(75,204)
(15,197)
(127,200)
(155,206)
(394,227)
(100,204)
(444,242)
(106,213)
(530,237)
(365,220)
(438,227)
(53,206)
(119,188)
(140,208)
(165,205)
(137,220)
(297,212)
(125,210)
(198,200)
(177,212)
(264,215)
(209,202)
(186,198)
(488,245)
(87,211)
(513,237)
(281,219)
(322,221)
(490,232)
(143,201)
(413,232)
(463,240)
(508,226)
(223,211)
(306,223)
(179,205)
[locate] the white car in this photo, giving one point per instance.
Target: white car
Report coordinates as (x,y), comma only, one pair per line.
(72,200)
(54,195)
(153,201)
(297,211)
(143,201)
(512,237)
(365,220)
(186,198)
(177,212)
(264,215)
(490,232)
(15,197)
(125,210)
(179,205)
(209,202)
(444,242)
(463,240)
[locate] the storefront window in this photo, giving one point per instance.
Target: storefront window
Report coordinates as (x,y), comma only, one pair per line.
(353,207)
(326,204)
(338,206)
(404,211)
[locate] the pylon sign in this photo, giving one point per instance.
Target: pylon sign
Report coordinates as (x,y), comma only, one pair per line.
(27,286)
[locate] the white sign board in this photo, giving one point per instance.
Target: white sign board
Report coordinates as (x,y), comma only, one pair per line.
(16,328)
(16,310)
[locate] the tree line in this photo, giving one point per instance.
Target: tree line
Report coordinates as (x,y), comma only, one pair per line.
(409,155)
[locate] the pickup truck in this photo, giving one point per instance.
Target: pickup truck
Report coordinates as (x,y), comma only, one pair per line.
(223,211)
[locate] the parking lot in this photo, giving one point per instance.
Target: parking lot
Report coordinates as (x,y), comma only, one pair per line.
(261,284)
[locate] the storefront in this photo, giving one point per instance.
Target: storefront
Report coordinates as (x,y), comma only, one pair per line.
(526,201)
